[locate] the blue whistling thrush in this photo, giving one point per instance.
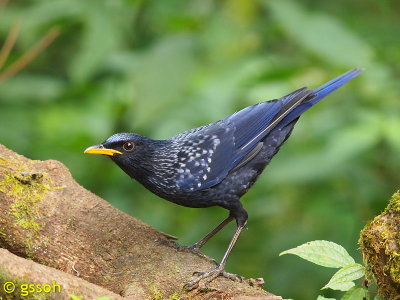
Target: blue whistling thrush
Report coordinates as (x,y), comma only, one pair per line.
(215,164)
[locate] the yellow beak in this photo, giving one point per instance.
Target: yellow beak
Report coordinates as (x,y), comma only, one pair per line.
(99,149)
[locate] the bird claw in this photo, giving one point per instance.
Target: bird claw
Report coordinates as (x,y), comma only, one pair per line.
(193,249)
(210,276)
(197,273)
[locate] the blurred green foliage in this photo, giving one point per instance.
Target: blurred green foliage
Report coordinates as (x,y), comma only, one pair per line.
(160,67)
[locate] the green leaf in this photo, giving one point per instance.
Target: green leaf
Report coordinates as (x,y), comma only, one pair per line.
(356,293)
(323,253)
(323,298)
(321,34)
(343,279)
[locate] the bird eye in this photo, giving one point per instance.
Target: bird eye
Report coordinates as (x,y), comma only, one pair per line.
(128,146)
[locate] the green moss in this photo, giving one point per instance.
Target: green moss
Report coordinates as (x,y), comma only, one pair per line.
(394,203)
(27,188)
(2,232)
(380,244)
(158,295)
(174,296)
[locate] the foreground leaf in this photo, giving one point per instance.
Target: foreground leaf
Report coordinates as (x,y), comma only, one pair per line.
(323,298)
(323,253)
(343,279)
(356,293)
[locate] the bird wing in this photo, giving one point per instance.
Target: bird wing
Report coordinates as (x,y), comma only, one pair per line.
(204,155)
(207,154)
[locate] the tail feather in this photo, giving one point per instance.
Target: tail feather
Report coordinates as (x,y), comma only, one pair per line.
(319,94)
(333,85)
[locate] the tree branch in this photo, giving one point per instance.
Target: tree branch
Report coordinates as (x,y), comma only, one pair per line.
(380,246)
(47,217)
(21,272)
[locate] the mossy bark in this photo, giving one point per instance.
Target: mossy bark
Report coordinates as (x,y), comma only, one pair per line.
(60,285)
(49,218)
(380,245)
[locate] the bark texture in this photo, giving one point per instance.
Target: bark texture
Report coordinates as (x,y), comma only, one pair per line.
(380,245)
(54,229)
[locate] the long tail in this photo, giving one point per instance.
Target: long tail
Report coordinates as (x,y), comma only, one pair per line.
(334,84)
(320,93)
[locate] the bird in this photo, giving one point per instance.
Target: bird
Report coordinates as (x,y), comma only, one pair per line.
(215,164)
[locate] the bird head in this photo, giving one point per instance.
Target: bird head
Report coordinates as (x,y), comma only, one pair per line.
(117,144)
(127,150)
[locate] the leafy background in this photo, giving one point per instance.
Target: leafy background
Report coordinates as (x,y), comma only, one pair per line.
(160,67)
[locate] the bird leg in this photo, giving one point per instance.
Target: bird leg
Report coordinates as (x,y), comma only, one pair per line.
(241,220)
(196,247)
(199,244)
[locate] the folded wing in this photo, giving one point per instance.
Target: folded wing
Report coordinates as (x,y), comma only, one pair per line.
(214,150)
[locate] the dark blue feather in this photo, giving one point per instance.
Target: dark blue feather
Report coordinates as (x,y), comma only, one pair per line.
(320,93)
(230,140)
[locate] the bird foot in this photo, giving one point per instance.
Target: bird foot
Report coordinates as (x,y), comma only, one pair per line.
(192,249)
(210,276)
(195,250)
